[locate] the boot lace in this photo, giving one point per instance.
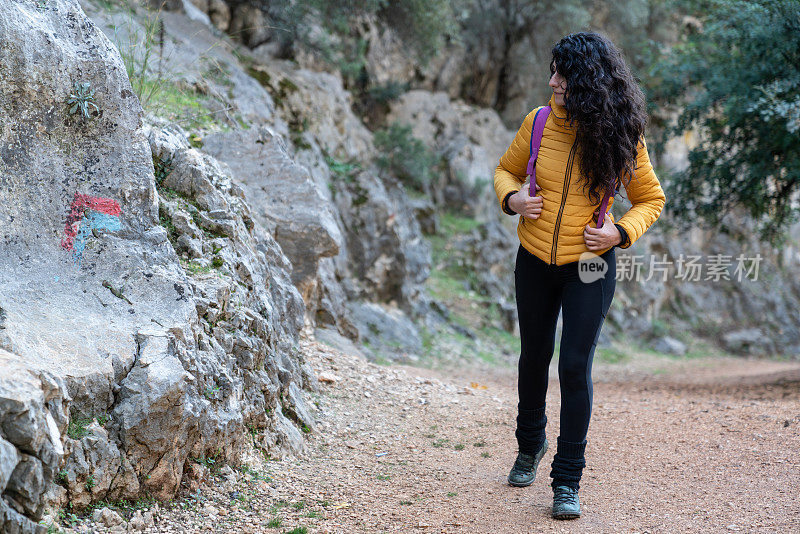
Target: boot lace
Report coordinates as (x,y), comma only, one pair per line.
(524,463)
(565,495)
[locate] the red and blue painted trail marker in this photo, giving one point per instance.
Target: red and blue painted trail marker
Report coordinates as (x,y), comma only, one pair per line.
(88,213)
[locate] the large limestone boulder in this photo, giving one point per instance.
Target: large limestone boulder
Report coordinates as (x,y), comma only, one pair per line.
(100,318)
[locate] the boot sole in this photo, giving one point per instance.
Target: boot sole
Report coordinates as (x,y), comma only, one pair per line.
(566,516)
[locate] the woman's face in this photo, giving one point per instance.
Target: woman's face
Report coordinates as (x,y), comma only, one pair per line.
(559,85)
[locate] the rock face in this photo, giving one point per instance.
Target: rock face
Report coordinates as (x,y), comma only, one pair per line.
(322,191)
(383,256)
(120,360)
(471,141)
(288,201)
(750,311)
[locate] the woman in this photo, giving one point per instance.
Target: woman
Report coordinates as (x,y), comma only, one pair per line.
(592,141)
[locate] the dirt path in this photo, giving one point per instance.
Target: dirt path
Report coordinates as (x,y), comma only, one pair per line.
(698,446)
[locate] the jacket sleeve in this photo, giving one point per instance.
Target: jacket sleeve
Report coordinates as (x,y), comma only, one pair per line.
(646,196)
(510,172)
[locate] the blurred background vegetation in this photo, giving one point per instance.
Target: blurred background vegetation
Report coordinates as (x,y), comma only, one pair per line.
(729,69)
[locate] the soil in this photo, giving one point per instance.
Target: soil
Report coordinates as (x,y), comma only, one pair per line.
(699,445)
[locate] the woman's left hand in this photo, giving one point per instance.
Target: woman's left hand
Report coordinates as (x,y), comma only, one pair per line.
(602,238)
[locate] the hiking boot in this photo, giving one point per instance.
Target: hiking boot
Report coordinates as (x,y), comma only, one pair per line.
(565,503)
(524,471)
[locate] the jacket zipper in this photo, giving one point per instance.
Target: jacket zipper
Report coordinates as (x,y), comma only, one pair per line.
(567,178)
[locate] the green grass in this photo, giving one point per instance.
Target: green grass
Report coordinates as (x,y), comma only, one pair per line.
(453,223)
(140,42)
(195,268)
(77,426)
(211,462)
(76,429)
(184,107)
(277,506)
(611,355)
(453,282)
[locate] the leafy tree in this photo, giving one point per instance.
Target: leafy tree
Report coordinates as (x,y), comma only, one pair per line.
(735,77)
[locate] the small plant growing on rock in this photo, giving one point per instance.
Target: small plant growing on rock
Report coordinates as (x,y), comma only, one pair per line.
(66,518)
(162,168)
(82,98)
(77,427)
(196,140)
(194,499)
(384,94)
(211,392)
(90,483)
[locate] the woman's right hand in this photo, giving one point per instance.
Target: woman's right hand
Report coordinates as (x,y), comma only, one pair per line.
(524,204)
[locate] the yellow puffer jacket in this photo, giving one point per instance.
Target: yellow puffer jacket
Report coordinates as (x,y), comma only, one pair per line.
(556,236)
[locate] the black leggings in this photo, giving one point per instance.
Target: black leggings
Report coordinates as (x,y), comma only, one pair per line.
(542,290)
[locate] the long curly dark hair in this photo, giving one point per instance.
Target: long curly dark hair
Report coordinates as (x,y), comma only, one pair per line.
(607,104)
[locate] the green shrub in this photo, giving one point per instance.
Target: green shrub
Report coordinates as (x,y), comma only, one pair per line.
(423,26)
(405,156)
(387,92)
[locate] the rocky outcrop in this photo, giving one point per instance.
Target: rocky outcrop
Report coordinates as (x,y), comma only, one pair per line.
(143,321)
(470,140)
(288,201)
(747,308)
(153,280)
(316,191)
(383,256)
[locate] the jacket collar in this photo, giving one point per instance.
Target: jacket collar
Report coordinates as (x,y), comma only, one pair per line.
(559,113)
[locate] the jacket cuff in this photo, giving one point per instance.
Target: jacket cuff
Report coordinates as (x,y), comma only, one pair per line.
(624,243)
(504,204)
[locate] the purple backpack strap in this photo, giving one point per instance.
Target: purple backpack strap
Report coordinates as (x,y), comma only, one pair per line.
(601,217)
(537,129)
